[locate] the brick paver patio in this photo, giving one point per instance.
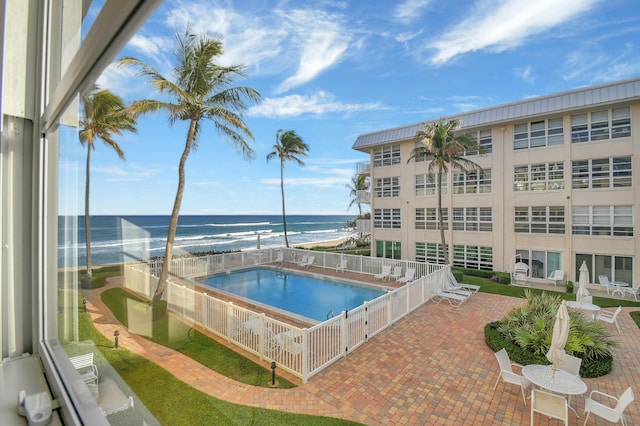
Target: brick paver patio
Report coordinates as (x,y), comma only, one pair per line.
(432,367)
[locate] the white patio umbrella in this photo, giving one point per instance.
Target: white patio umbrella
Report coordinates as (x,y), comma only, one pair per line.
(556,354)
(583,280)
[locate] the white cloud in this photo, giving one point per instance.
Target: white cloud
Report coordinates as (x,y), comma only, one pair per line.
(120,174)
(525,74)
(310,181)
(318,103)
(505,26)
(595,66)
(410,10)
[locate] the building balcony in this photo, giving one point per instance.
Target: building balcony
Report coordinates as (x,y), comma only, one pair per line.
(363,168)
(363,226)
(363,197)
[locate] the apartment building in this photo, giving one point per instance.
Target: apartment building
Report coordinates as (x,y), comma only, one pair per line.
(558,186)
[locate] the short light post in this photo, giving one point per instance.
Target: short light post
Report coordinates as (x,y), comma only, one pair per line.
(273,373)
(115,336)
(84,305)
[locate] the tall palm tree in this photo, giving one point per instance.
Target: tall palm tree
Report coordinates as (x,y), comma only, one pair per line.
(103,115)
(444,149)
(358,183)
(289,146)
(201,90)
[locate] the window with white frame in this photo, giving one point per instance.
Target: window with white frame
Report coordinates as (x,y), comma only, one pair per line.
(614,221)
(429,252)
(386,218)
(541,263)
(386,187)
(473,257)
(538,177)
(475,182)
(428,218)
(481,138)
(601,125)
(615,267)
(386,156)
(539,220)
(613,172)
(389,249)
(472,219)
(426,184)
(539,133)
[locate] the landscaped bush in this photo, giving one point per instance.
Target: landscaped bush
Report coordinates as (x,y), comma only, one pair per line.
(498,277)
(526,334)
(457,274)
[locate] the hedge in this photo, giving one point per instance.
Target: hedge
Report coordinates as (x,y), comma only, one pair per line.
(496,341)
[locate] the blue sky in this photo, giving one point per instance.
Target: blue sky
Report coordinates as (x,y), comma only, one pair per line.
(332,70)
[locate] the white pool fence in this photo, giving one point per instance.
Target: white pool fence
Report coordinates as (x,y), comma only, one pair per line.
(300,351)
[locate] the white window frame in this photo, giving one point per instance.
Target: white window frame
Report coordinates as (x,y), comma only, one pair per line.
(597,173)
(428,218)
(387,187)
(539,219)
(387,218)
(474,182)
(611,221)
(538,134)
(473,257)
(386,156)
(427,184)
(539,177)
(603,124)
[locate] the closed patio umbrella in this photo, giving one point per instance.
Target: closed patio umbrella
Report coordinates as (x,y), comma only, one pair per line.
(583,280)
(556,354)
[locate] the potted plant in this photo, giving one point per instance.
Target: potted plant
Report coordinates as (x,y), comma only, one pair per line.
(569,286)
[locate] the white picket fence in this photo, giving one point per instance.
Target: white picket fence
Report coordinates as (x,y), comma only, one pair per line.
(301,351)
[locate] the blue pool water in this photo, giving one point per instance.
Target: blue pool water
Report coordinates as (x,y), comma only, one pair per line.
(304,295)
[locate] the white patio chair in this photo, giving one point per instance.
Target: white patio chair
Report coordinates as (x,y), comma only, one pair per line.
(279,257)
(309,262)
(507,374)
(611,287)
(304,260)
(384,274)
(556,276)
(454,286)
(612,414)
(408,276)
(571,365)
(86,368)
(635,292)
(342,265)
(397,273)
(610,317)
(549,404)
(520,274)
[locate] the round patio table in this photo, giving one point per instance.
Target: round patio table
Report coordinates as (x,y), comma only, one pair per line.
(559,381)
(584,306)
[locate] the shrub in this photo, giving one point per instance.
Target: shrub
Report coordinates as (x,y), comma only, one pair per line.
(457,274)
(569,286)
(498,277)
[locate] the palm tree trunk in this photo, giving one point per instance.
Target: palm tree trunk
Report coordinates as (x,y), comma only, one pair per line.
(440,219)
(284,216)
(173,222)
(87,220)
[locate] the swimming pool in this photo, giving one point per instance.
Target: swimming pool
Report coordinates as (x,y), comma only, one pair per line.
(304,295)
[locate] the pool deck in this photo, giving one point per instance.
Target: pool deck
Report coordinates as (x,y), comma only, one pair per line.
(431,367)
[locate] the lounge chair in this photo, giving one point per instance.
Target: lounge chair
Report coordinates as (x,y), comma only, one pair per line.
(397,273)
(454,299)
(507,374)
(455,285)
(384,274)
(342,265)
(556,276)
(279,258)
(305,259)
(610,317)
(309,262)
(408,276)
(86,368)
(610,286)
(635,292)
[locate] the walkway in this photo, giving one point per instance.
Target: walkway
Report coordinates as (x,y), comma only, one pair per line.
(432,367)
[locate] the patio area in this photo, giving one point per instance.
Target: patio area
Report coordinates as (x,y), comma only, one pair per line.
(430,367)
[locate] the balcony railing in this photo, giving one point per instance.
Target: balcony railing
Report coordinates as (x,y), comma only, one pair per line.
(363,168)
(364,197)
(363,226)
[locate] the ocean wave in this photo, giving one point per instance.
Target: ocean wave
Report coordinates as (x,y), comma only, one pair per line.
(321,231)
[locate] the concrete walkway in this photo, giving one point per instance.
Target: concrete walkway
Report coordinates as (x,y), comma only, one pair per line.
(432,367)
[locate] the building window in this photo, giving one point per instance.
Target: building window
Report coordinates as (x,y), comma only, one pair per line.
(473,257)
(472,219)
(540,220)
(429,253)
(537,134)
(386,156)
(601,125)
(387,187)
(427,218)
(388,249)
(538,177)
(616,268)
(612,172)
(476,182)
(541,263)
(614,221)
(482,138)
(386,218)
(427,184)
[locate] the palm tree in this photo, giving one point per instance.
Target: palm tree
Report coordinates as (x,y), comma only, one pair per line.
(289,146)
(202,90)
(103,115)
(358,183)
(443,148)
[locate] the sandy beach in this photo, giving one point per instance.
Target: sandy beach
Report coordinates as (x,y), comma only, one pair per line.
(327,243)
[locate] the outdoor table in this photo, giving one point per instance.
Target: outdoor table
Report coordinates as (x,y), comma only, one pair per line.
(559,381)
(584,306)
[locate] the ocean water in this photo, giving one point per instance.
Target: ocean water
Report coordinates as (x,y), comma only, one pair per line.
(116,239)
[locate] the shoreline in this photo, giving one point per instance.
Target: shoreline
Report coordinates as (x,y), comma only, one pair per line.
(325,243)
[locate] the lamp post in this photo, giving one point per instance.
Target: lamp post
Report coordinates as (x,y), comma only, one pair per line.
(273,373)
(115,335)
(84,305)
